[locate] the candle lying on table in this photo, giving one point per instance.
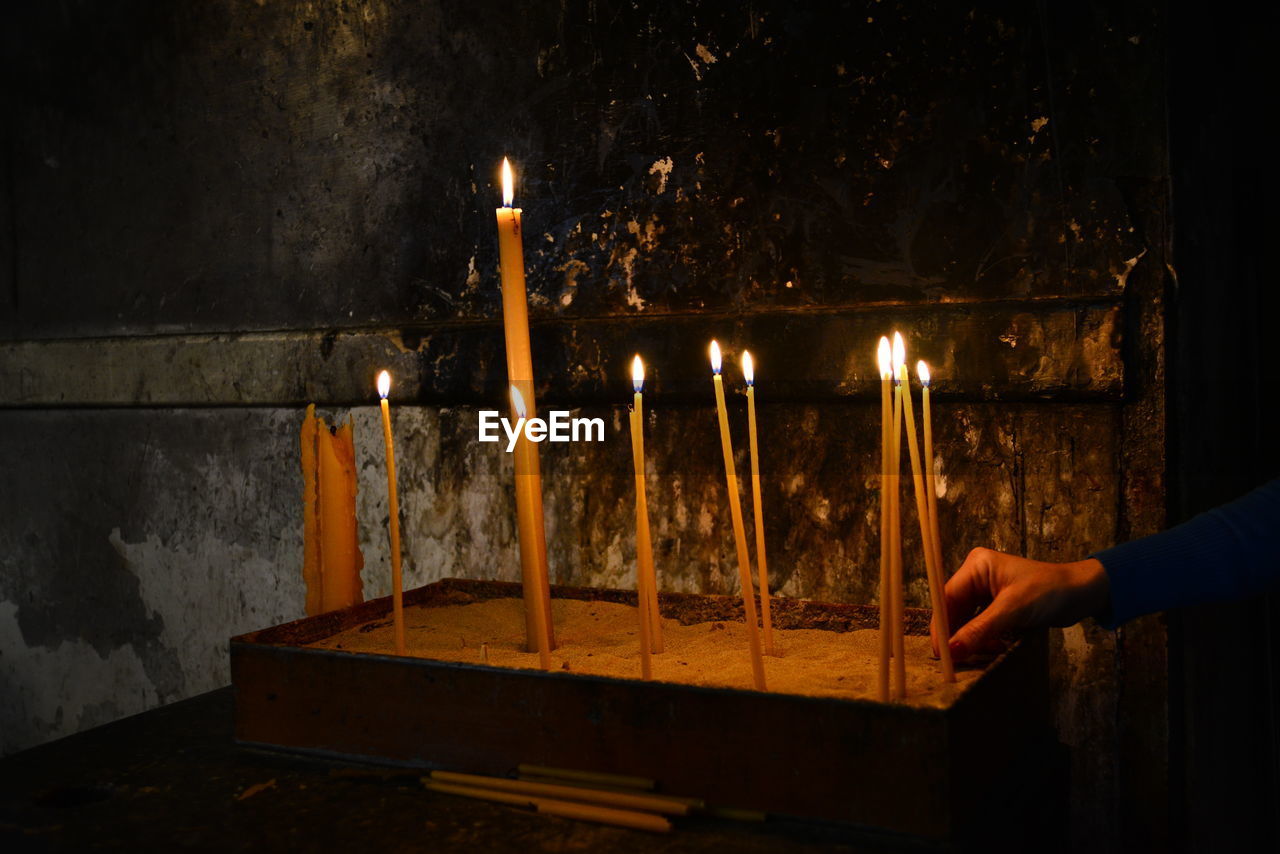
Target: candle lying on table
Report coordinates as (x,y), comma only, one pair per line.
(749,374)
(941,620)
(739,531)
(393,507)
(331,552)
(623,800)
(515,325)
(552,806)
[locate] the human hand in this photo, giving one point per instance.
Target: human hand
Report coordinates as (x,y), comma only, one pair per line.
(1016,594)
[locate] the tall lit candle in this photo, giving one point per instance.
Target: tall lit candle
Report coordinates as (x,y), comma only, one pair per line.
(536,607)
(922,511)
(941,620)
(885,357)
(739,530)
(515,324)
(749,374)
(393,506)
(895,526)
(646,576)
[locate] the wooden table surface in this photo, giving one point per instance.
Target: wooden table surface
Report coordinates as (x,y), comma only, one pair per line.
(173,779)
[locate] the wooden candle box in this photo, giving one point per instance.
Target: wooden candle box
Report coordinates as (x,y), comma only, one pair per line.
(926,771)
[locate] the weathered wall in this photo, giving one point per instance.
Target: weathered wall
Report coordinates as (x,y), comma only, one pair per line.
(216,213)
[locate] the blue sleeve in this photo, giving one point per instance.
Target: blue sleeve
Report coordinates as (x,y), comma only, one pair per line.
(1226,553)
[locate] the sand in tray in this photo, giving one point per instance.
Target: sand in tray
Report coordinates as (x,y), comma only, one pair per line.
(602,639)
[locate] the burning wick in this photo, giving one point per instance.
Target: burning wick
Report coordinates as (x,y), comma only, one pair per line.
(508,184)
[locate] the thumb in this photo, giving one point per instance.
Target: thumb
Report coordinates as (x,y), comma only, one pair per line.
(983,630)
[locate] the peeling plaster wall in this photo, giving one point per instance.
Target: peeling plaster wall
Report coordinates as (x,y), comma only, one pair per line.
(215,213)
(120,590)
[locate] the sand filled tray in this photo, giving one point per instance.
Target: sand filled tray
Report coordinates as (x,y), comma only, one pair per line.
(598,637)
(817,744)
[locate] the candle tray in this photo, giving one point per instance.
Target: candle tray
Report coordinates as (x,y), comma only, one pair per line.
(926,771)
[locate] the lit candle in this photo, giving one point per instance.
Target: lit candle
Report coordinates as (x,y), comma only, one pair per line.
(515,324)
(941,620)
(922,511)
(393,505)
(895,527)
(749,374)
(646,579)
(739,531)
(536,607)
(885,357)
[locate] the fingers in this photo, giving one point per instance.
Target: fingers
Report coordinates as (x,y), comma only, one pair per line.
(983,632)
(966,591)
(970,588)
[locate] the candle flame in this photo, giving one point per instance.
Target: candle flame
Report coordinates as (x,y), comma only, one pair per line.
(885,357)
(637,374)
(517,401)
(384,385)
(508,184)
(715,357)
(748,367)
(922,371)
(899,353)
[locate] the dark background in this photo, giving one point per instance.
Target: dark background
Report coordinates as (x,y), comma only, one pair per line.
(1225,680)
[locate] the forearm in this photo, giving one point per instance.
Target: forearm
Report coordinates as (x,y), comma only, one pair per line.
(1227,553)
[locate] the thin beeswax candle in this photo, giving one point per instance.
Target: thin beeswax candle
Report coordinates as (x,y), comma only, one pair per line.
(749,374)
(646,575)
(941,620)
(895,528)
(393,506)
(739,530)
(885,357)
(922,511)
